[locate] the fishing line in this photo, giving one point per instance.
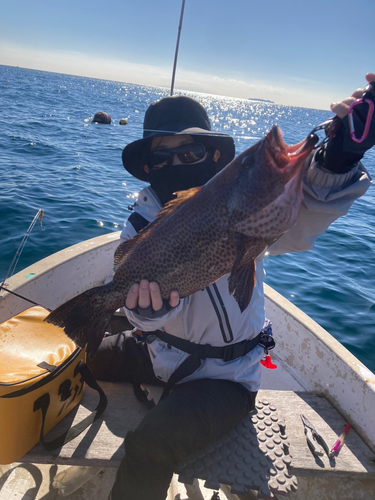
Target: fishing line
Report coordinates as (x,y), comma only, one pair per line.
(22,297)
(17,256)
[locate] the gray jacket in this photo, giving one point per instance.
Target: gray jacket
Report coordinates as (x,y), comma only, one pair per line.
(212,316)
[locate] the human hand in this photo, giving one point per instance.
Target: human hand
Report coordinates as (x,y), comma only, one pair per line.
(341,152)
(146,294)
(341,108)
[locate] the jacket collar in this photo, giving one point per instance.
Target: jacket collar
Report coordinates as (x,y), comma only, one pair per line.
(147,204)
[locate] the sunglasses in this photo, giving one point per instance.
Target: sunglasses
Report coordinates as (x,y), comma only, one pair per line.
(187,153)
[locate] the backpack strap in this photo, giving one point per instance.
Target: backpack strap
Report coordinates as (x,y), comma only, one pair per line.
(197,353)
(138,221)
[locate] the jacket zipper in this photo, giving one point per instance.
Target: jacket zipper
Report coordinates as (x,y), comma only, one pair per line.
(221,313)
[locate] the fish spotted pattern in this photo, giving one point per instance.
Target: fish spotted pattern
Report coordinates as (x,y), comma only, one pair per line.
(203,235)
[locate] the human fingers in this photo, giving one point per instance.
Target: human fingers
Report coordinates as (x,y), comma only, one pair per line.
(132,297)
(156,300)
(144,300)
(358,93)
(174,299)
(341,108)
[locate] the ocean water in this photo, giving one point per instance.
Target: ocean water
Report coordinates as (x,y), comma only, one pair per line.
(52,157)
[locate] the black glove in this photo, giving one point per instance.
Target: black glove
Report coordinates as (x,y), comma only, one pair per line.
(340,153)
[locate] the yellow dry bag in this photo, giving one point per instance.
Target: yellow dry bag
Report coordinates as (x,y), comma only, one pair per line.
(42,376)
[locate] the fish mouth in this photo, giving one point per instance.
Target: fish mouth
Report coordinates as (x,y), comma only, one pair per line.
(286,158)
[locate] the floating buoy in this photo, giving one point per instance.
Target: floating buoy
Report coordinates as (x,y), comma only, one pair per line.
(123,121)
(101,117)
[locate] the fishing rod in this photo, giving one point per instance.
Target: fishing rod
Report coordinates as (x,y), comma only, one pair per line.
(177,45)
(17,256)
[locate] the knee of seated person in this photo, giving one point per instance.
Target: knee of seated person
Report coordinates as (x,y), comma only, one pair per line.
(106,365)
(147,447)
(114,343)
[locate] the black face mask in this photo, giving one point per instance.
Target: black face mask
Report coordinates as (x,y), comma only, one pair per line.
(169,180)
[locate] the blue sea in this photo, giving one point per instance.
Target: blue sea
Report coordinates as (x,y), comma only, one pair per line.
(54,158)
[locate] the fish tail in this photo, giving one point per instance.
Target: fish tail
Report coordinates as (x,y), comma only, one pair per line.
(85,317)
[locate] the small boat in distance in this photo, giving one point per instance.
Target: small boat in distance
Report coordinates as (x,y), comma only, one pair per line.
(260,100)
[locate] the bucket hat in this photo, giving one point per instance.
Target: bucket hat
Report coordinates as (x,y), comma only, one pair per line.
(175,115)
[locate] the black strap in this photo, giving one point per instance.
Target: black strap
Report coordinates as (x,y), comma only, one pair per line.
(226,353)
(47,366)
(43,404)
(201,351)
(138,221)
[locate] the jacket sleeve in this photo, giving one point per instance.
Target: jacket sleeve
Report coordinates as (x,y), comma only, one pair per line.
(326,197)
(127,232)
(148,324)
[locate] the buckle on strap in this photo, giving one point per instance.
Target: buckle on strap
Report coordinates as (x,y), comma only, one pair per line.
(141,337)
(267,342)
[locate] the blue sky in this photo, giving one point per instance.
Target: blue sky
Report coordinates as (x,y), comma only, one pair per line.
(292,52)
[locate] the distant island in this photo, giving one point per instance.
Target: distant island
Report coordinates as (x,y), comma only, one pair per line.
(260,100)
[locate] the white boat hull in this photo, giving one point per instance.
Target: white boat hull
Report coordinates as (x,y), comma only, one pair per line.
(309,358)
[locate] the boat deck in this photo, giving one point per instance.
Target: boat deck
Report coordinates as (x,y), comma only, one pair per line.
(101,447)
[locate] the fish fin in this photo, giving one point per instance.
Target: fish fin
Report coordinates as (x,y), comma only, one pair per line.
(186,194)
(239,240)
(176,203)
(241,283)
(123,250)
(85,317)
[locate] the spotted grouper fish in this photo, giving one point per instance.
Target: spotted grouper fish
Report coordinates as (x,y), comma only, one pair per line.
(202,235)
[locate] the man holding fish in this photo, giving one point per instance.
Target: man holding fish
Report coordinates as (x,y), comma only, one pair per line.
(191,280)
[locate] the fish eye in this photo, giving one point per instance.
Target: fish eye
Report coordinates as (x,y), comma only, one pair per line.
(247,162)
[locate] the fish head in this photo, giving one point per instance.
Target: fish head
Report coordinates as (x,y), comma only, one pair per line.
(269,184)
(264,169)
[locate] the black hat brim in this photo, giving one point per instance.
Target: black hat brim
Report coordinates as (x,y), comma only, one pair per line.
(134,154)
